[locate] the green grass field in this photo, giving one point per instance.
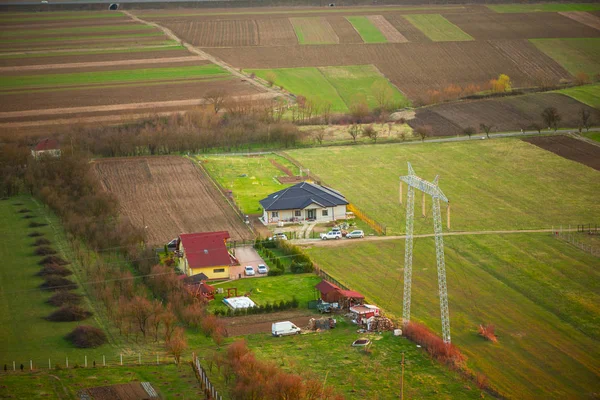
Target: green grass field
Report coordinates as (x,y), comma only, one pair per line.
(338,86)
(589,94)
(24,333)
(438,28)
(542,295)
(272,289)
(259,180)
(171,381)
(593,135)
(357,375)
(76,30)
(549,7)
(99,77)
(367,31)
(574,55)
(492,184)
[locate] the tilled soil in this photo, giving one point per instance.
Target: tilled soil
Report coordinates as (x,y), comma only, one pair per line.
(570,148)
(262,323)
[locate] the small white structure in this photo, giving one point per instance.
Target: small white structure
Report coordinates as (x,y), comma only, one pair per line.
(236,303)
(46,147)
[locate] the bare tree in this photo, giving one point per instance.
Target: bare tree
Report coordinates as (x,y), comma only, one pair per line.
(177,345)
(551,117)
(217,98)
(486,129)
(585,119)
(536,127)
(371,133)
(383,94)
(423,131)
(354,131)
(469,131)
(319,135)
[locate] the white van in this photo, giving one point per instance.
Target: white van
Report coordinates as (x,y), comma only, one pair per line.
(284,328)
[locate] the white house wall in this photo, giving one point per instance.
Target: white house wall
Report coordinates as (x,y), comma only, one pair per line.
(333,213)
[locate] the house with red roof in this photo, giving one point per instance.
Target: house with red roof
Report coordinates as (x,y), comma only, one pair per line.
(46,147)
(206,253)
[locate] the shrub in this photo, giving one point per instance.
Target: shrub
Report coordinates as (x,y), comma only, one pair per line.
(275,272)
(54,269)
(435,346)
(41,242)
(69,313)
(86,336)
(35,234)
(63,297)
(53,260)
(44,251)
(55,283)
(36,224)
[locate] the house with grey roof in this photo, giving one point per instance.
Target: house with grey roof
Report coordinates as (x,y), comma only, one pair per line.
(304,202)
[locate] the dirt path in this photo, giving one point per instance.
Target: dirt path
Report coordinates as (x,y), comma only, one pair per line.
(101,64)
(209,57)
(347,242)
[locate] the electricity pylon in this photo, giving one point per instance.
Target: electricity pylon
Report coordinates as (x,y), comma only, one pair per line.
(432,189)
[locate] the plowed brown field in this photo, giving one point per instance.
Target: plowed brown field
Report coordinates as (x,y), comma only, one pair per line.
(344,30)
(570,148)
(276,32)
(520,26)
(391,34)
(169,195)
(593,21)
(505,114)
(216,33)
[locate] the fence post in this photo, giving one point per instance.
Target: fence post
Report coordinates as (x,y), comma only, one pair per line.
(140,358)
(156,358)
(121,358)
(49,364)
(85,361)
(31,365)
(67,362)
(103,361)
(14,366)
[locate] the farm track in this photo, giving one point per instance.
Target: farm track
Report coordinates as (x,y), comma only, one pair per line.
(82,65)
(169,195)
(209,57)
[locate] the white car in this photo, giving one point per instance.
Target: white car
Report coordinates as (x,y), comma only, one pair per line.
(262,269)
(280,236)
(355,234)
(249,270)
(331,235)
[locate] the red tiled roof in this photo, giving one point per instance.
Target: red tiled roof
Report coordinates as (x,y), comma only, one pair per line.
(205,249)
(46,144)
(326,287)
(351,293)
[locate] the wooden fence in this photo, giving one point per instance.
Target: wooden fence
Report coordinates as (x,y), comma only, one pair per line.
(210,392)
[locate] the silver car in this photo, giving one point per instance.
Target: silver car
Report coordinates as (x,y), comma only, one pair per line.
(262,269)
(355,234)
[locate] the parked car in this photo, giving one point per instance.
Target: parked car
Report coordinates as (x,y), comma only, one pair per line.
(280,236)
(355,234)
(249,270)
(262,269)
(284,328)
(331,235)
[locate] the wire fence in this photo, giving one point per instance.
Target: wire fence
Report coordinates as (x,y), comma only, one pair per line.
(209,390)
(573,238)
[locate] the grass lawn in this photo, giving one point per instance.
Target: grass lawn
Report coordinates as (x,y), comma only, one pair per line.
(437,28)
(272,289)
(592,135)
(338,86)
(70,38)
(80,78)
(492,184)
(364,81)
(367,31)
(78,29)
(588,94)
(259,180)
(24,333)
(542,295)
(574,55)
(550,7)
(171,381)
(354,373)
(308,82)
(77,53)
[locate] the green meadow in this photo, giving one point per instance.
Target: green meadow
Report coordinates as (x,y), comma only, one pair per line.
(548,7)
(367,30)
(574,55)
(588,94)
(438,28)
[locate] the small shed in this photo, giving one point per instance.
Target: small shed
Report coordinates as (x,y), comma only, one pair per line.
(361,313)
(330,293)
(350,298)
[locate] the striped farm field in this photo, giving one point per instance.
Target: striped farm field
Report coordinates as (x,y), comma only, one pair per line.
(222,33)
(314,30)
(367,30)
(87,78)
(588,94)
(575,55)
(76,30)
(59,16)
(438,28)
(548,7)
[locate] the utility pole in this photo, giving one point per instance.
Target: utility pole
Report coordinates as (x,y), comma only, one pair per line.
(402,381)
(433,190)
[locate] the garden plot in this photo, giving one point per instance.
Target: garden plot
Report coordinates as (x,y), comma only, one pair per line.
(314,31)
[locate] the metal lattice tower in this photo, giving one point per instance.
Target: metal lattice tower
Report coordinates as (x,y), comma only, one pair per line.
(432,189)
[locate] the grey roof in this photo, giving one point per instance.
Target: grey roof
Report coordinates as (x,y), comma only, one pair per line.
(301,195)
